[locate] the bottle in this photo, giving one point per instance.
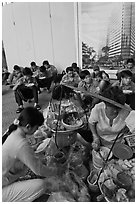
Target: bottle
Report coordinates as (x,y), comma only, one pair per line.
(50,116)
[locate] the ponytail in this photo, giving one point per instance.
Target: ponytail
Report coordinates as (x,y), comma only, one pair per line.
(12,128)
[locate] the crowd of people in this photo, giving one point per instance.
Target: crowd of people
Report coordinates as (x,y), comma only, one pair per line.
(105,121)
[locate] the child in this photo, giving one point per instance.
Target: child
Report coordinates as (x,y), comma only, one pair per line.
(26,88)
(18,156)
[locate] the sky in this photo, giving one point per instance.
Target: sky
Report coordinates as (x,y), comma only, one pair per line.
(94,22)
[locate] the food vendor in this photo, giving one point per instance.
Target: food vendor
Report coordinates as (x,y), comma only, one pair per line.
(107,120)
(18,156)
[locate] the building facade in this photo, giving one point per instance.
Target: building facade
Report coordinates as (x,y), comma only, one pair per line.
(121,31)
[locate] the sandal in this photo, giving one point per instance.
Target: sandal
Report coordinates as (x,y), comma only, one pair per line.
(19,110)
(37,107)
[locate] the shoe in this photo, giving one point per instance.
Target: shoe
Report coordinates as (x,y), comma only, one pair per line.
(37,107)
(19,110)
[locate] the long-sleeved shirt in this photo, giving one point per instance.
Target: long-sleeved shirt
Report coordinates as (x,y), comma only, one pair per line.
(91,88)
(73,81)
(17,155)
(25,81)
(52,71)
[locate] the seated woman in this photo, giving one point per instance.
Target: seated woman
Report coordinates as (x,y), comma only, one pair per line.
(128,86)
(26,88)
(107,120)
(18,156)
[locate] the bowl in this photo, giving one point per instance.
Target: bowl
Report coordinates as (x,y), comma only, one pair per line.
(43,145)
(124,180)
(122,151)
(60,157)
(71,121)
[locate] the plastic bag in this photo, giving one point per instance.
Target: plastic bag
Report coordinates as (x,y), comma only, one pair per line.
(76,187)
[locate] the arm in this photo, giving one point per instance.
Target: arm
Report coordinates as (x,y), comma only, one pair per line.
(18,83)
(27,156)
(94,131)
(96,139)
(19,76)
(93,120)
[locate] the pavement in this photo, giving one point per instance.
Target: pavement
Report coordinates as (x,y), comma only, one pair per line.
(9,105)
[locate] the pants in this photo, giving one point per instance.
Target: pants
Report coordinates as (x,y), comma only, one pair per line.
(23,191)
(23,93)
(45,82)
(29,190)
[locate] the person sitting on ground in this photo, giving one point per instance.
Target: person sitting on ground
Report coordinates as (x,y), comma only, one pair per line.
(87,84)
(76,68)
(127,85)
(130,64)
(70,78)
(34,68)
(58,90)
(5,74)
(101,78)
(107,120)
(51,72)
(92,86)
(42,78)
(15,75)
(26,88)
(18,157)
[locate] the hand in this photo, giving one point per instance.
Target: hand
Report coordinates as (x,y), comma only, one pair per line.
(96,144)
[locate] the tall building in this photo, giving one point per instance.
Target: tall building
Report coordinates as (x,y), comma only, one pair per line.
(121,30)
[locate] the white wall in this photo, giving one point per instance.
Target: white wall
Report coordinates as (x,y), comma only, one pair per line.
(40,31)
(9,37)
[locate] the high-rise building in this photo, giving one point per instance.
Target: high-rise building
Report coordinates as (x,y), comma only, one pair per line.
(121,30)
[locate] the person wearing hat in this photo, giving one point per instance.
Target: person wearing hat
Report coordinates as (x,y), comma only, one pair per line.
(107,120)
(127,85)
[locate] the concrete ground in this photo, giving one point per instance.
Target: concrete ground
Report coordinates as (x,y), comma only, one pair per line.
(9,105)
